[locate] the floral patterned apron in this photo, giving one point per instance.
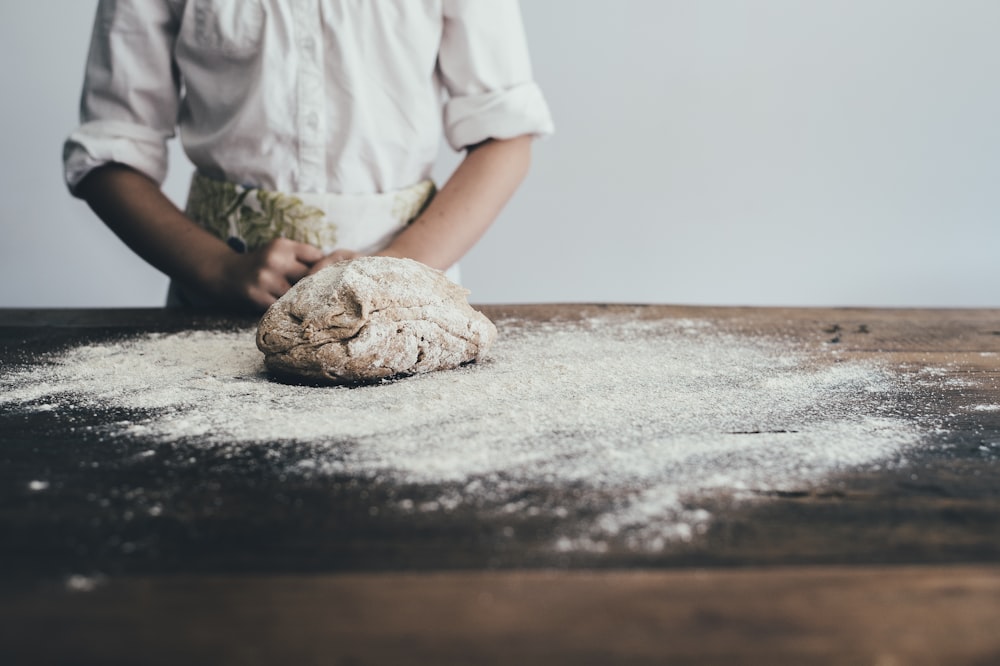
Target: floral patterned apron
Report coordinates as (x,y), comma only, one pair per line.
(247,218)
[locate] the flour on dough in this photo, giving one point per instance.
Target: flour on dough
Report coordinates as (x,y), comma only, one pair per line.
(372,318)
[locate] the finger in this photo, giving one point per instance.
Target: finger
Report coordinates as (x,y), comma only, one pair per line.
(320,265)
(296,271)
(274,284)
(261,299)
(328,261)
(343,255)
(331,259)
(285,258)
(280,288)
(307,254)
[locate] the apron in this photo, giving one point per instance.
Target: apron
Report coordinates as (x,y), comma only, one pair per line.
(248,218)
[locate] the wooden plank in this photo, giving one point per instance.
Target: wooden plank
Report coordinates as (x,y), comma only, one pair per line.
(109,318)
(823,615)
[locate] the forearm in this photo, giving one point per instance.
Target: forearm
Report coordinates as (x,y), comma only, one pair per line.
(467,204)
(140,214)
(137,211)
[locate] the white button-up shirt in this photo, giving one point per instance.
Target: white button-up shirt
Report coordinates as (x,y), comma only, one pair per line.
(342,96)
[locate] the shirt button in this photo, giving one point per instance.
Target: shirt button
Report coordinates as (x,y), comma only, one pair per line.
(309,44)
(312,120)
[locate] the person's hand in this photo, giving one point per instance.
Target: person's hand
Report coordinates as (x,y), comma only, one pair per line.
(259,278)
(332,258)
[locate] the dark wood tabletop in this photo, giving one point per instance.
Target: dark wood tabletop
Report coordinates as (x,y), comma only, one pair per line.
(897,565)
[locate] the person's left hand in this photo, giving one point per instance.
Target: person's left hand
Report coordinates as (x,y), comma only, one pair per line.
(332,258)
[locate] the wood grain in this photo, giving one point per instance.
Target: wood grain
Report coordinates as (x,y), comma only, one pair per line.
(886,567)
(824,615)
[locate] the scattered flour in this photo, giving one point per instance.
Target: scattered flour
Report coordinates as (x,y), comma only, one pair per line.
(79,583)
(654,414)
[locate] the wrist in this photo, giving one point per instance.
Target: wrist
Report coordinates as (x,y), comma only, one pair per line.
(210,268)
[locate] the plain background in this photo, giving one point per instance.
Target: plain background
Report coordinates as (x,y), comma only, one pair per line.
(759,152)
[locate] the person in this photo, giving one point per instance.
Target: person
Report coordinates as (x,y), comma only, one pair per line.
(313,126)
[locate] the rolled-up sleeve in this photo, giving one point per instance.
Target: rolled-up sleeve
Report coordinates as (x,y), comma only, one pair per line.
(131,91)
(484,65)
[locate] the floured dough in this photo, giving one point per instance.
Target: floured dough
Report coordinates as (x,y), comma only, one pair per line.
(372,318)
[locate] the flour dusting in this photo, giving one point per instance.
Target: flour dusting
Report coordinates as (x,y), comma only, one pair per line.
(658,415)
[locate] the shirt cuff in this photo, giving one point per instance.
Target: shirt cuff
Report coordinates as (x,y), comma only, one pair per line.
(504,114)
(97,143)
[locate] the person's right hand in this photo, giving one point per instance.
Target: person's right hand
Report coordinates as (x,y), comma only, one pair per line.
(134,207)
(257,279)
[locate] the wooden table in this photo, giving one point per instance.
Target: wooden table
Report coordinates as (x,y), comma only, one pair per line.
(891,567)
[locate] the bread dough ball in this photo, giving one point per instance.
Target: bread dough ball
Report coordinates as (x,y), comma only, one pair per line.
(371,318)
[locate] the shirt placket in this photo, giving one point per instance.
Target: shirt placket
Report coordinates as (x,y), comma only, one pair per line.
(310,97)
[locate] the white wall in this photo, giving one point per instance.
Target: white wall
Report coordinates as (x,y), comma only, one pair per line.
(736,152)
